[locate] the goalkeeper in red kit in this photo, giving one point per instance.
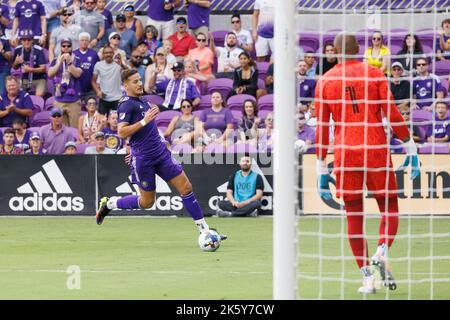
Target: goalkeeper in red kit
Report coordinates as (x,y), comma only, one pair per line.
(357,97)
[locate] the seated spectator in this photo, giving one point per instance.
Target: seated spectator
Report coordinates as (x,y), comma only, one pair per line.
(443,47)
(426,87)
(244,192)
(55,134)
(377,54)
(90,123)
(114,41)
(439,131)
(14,103)
(268,81)
(88,58)
(181,128)
(151,40)
(35,145)
(245,78)
(167,45)
(249,123)
(182,41)
(66,72)
(8,146)
(127,37)
(306,86)
(310,61)
(5,61)
(264,136)
(30,62)
(405,111)
(21,134)
(202,55)
(304,133)
(193,74)
(131,22)
(399,84)
(100,145)
(135,62)
(70,148)
(409,54)
(227,56)
(91,21)
(157,72)
(328,61)
(108,20)
(244,37)
(113,141)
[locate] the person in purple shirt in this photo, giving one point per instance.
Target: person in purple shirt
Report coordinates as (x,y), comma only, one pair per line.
(107,16)
(198,15)
(55,135)
(439,130)
(4,18)
(306,86)
(443,45)
(21,134)
(5,60)
(427,87)
(113,141)
(87,58)
(30,15)
(160,15)
(15,103)
(149,156)
(35,145)
(304,132)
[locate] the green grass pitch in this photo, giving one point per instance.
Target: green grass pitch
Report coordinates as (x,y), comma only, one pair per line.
(158,258)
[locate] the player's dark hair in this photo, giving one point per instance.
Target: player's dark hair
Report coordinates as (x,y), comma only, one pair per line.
(127,74)
(254,105)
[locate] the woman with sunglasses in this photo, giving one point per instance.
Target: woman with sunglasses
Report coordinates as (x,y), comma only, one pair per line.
(90,123)
(377,54)
(202,55)
(162,69)
(249,123)
(151,40)
(181,128)
(131,22)
(409,54)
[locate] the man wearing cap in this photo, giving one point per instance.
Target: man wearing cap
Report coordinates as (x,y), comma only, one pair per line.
(100,145)
(30,61)
(35,145)
(132,23)
(91,21)
(55,134)
(182,41)
(70,148)
(160,15)
(15,103)
(127,37)
(88,58)
(198,15)
(66,72)
(30,15)
(399,85)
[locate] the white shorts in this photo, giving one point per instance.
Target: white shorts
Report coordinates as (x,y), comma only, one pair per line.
(262,46)
(165,28)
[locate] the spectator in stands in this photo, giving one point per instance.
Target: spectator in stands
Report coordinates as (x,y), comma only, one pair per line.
(108,20)
(181,128)
(100,145)
(426,87)
(143,50)
(70,148)
(127,36)
(67,30)
(5,61)
(310,61)
(4,19)
(90,123)
(202,56)
(198,15)
(55,135)
(182,41)
(244,192)
(132,23)
(21,134)
(439,131)
(262,26)
(227,57)
(8,146)
(135,62)
(114,42)
(245,78)
(328,61)
(305,133)
(53,10)
(31,61)
(193,74)
(399,85)
(151,40)
(306,86)
(76,5)
(377,54)
(66,72)
(443,50)
(249,122)
(157,72)
(15,103)
(35,145)
(243,36)
(113,141)
(167,44)
(268,81)
(409,54)
(160,14)
(108,73)
(30,16)
(92,22)
(177,89)
(8,13)
(264,136)
(405,111)
(88,58)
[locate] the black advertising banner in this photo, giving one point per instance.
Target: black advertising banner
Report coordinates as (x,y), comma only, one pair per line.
(47,185)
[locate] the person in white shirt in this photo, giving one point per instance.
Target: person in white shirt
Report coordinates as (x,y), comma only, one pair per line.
(227,57)
(244,37)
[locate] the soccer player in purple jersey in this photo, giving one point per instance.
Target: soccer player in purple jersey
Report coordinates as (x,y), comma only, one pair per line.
(149,156)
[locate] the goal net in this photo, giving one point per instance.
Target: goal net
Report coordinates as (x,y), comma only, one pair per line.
(409,42)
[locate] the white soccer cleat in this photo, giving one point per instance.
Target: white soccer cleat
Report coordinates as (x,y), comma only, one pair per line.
(380,263)
(368,285)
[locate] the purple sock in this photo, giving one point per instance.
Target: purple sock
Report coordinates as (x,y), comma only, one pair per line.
(192,206)
(128,202)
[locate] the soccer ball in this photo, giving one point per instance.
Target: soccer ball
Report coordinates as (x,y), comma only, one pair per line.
(209,240)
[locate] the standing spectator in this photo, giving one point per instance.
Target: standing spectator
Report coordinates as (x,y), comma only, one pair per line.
(262,26)
(244,192)
(30,15)
(151,40)
(21,134)
(31,61)
(305,87)
(245,78)
(100,145)
(5,61)
(8,146)
(132,23)
(15,103)
(90,123)
(66,73)
(410,52)
(443,48)
(70,148)
(55,135)
(227,57)
(160,15)
(198,15)
(167,45)
(310,61)
(67,30)
(35,145)
(113,141)
(244,37)
(4,19)
(181,128)
(53,9)
(328,61)
(108,19)
(88,58)
(426,87)
(248,123)
(182,41)
(202,56)
(127,36)
(399,85)
(157,72)
(135,62)
(108,73)
(439,131)
(114,42)
(92,22)
(377,54)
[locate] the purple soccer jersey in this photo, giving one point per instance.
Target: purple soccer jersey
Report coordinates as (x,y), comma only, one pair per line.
(306,90)
(71,92)
(34,58)
(425,89)
(4,12)
(216,120)
(24,144)
(197,16)
(440,128)
(22,101)
(29,14)
(156,10)
(88,60)
(307,134)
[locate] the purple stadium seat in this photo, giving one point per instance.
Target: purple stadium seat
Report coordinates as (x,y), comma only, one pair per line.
(3,129)
(309,39)
(307,48)
(219,37)
(263,113)
(181,148)
(395,36)
(394,48)
(266,102)
(153,98)
(222,85)
(262,67)
(81,148)
(49,103)
(164,118)
(38,103)
(442,68)
(329,35)
(242,148)
(205,102)
(237,114)
(73,132)
(236,102)
(40,119)
(214,148)
(34,129)
(434,148)
(261,84)
(421,116)
(197,113)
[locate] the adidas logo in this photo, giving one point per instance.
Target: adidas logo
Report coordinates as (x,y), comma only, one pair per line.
(52,183)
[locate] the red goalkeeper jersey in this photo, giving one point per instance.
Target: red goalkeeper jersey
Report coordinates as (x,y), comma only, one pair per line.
(355,94)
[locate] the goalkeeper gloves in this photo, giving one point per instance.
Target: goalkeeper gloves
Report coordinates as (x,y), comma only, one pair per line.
(324,180)
(411,157)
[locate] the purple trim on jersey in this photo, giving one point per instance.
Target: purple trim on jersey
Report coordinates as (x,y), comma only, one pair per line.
(72,92)
(87,63)
(197,16)
(29,14)
(156,11)
(22,101)
(440,128)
